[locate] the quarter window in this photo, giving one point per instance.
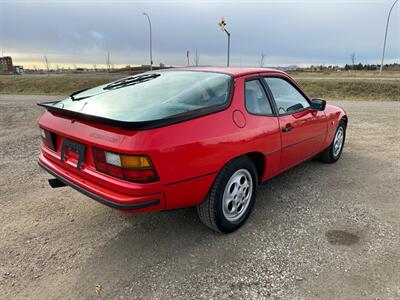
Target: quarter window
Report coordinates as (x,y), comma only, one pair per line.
(256,100)
(288,99)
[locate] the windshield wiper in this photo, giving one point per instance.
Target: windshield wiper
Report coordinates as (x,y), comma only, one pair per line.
(116,85)
(130,81)
(72,96)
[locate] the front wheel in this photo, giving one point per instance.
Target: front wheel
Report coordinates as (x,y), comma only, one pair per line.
(334,151)
(231,197)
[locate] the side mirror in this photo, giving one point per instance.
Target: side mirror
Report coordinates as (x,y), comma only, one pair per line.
(318,104)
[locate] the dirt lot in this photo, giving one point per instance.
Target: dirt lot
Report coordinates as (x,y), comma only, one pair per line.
(317,231)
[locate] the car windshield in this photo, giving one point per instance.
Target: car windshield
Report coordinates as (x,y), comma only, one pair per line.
(152,96)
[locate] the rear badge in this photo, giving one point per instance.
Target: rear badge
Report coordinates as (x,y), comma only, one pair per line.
(104,137)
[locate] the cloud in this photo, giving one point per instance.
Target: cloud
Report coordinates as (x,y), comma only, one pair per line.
(288,32)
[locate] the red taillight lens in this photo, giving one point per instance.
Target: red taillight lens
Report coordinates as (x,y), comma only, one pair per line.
(49,139)
(137,168)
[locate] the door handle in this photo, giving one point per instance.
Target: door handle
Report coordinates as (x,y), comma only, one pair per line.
(287,128)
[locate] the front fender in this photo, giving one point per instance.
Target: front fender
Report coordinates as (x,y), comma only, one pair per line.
(333,116)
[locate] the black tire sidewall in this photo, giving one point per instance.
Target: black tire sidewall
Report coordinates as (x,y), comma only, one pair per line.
(222,223)
(332,156)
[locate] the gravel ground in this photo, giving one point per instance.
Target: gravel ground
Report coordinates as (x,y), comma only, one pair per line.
(317,231)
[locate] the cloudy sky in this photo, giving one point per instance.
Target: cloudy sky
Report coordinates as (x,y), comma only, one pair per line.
(287,32)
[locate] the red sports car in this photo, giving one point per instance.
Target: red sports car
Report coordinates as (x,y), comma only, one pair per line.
(176,138)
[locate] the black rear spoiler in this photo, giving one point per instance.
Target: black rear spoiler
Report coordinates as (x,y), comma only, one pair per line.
(144,125)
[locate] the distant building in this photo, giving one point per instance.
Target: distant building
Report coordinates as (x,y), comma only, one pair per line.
(6,65)
(18,70)
(288,68)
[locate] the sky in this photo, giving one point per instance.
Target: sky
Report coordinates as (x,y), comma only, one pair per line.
(292,32)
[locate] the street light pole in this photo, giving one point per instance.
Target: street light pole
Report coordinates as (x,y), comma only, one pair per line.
(151,42)
(222,25)
(229,46)
(386,31)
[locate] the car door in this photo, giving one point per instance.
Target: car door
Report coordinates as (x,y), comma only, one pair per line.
(303,130)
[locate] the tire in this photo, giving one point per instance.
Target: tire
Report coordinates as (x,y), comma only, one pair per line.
(332,153)
(231,198)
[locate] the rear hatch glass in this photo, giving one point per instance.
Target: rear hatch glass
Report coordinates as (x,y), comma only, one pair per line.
(151,96)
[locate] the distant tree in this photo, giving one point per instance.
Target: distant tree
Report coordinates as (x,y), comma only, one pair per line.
(108,62)
(261,62)
(46,63)
(353,58)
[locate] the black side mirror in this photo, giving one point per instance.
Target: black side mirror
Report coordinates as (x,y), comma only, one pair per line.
(318,104)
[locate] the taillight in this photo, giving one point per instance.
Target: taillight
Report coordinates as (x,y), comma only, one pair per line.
(49,139)
(137,168)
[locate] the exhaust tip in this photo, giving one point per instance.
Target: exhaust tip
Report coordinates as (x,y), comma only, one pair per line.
(56,183)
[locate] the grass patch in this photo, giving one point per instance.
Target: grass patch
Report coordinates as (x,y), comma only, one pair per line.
(347,74)
(330,89)
(388,90)
(50,85)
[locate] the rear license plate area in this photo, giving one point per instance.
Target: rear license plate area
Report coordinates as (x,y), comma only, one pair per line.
(74,150)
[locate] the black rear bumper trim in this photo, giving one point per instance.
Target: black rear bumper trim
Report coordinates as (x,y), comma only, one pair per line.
(99,198)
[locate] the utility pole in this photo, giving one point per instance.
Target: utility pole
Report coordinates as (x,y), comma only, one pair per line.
(386,31)
(151,42)
(222,24)
(196,59)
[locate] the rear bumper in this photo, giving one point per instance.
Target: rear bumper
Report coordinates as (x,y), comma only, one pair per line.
(153,202)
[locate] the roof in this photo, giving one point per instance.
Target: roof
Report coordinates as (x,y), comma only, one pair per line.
(236,71)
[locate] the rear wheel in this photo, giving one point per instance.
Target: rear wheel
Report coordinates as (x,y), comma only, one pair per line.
(231,197)
(334,151)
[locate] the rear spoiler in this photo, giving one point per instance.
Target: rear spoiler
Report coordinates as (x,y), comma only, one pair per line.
(143,125)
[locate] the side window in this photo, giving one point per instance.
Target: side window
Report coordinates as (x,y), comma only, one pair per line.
(288,99)
(256,100)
